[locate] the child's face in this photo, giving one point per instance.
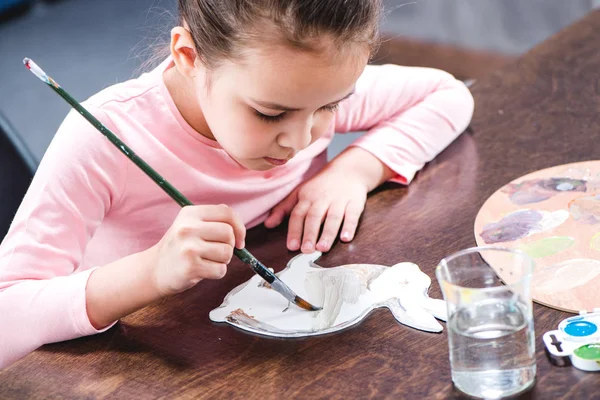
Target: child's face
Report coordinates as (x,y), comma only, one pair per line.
(265,109)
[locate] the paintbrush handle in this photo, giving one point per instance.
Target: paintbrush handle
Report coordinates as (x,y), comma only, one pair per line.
(175,194)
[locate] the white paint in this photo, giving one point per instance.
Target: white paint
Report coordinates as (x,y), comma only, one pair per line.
(347,293)
(551,220)
(567,275)
(333,287)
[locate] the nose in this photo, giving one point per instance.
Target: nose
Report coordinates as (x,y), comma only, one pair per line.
(296,136)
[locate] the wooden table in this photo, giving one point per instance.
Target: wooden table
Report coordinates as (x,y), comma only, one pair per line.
(540,111)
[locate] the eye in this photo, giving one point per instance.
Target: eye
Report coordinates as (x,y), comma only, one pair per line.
(331,108)
(269,118)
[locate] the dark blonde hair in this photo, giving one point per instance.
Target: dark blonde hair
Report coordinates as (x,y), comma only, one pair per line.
(221,28)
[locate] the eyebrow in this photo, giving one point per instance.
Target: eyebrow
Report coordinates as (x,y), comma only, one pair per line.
(279,107)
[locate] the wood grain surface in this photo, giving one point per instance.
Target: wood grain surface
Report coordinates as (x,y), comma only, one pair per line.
(541,110)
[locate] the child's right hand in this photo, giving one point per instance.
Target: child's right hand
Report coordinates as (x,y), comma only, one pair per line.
(198,245)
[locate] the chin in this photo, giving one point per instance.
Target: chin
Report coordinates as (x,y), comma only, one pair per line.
(256,165)
(261,167)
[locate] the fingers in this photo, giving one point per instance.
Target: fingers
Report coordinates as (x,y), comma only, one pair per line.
(208,269)
(354,209)
(312,225)
(214,251)
(221,225)
(306,220)
(296,225)
(199,245)
(209,259)
(220,214)
(335,216)
(212,232)
(281,210)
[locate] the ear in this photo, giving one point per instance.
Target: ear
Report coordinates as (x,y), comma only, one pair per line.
(183,51)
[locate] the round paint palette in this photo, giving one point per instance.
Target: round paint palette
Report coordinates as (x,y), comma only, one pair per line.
(554,216)
(577,341)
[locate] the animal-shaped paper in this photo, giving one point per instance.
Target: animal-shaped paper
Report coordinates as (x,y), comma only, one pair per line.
(347,294)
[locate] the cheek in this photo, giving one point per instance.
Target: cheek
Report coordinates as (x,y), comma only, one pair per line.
(242,134)
(226,122)
(321,124)
(255,136)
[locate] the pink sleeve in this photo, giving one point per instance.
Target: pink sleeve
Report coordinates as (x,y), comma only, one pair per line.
(42,287)
(411,115)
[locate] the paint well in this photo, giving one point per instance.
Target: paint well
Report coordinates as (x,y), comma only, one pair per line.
(589,352)
(581,328)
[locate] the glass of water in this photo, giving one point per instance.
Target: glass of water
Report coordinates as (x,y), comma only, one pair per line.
(490,320)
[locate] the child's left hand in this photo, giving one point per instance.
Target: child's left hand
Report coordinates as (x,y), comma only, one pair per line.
(337,193)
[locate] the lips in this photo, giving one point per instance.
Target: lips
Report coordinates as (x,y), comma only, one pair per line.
(276,161)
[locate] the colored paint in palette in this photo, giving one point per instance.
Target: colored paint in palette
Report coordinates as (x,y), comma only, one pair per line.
(576,342)
(553,215)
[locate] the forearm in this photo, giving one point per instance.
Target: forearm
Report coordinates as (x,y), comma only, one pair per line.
(362,165)
(411,115)
(120,288)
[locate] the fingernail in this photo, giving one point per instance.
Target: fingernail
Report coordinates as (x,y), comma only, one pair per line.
(294,244)
(307,246)
(346,236)
(323,244)
(243,244)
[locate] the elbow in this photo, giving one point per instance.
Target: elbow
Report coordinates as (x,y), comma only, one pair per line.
(469,105)
(464,106)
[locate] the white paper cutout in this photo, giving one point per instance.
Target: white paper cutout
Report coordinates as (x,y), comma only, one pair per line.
(347,294)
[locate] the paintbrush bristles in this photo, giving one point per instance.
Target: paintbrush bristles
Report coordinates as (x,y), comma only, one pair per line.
(37,71)
(300,302)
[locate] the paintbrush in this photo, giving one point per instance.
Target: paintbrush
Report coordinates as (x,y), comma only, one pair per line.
(243,254)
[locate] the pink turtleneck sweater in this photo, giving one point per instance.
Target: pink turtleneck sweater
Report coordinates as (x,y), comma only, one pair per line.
(88,205)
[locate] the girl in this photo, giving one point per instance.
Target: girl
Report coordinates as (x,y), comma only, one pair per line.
(238,118)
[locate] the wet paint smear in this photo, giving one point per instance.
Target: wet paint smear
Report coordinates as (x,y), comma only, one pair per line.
(536,190)
(548,246)
(522,223)
(567,275)
(586,209)
(238,316)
